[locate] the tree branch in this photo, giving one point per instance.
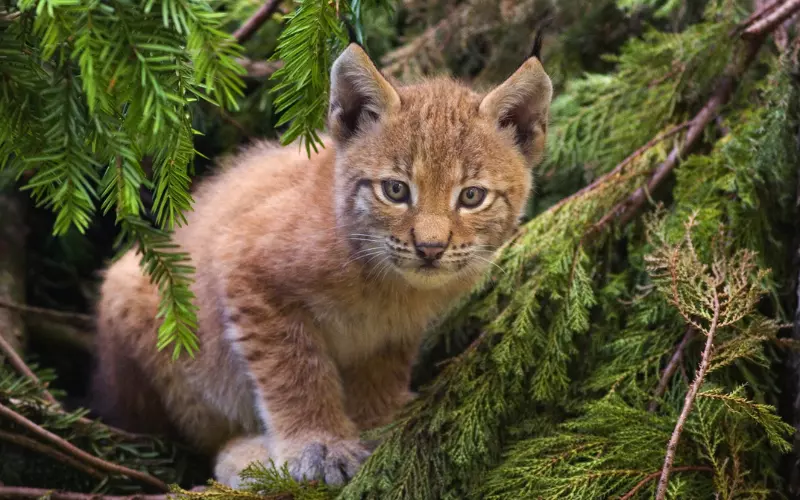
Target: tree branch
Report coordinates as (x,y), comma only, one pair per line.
(38,447)
(21,492)
(628,208)
(650,477)
(672,446)
(772,20)
(64,315)
(78,453)
(671,368)
(17,362)
(248,29)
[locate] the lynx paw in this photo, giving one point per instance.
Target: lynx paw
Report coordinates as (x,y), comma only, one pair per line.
(236,455)
(335,462)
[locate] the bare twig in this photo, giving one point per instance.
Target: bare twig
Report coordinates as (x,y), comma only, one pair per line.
(68,316)
(68,447)
(671,367)
(17,362)
(38,447)
(9,16)
(641,484)
(250,26)
(772,20)
(22,493)
(699,377)
(760,12)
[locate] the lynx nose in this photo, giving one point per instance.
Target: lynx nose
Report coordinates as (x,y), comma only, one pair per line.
(430,251)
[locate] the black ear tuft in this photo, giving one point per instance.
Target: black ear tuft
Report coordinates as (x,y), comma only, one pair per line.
(536,51)
(352,36)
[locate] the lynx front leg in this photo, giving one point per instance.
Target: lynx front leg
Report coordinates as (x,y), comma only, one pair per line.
(379,386)
(298,393)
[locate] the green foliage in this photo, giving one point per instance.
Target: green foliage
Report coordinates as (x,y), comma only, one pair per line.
(313,34)
(90,91)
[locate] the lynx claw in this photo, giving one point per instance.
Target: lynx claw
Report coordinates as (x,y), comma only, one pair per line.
(334,463)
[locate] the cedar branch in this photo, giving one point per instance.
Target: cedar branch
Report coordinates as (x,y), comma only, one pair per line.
(671,367)
(772,20)
(641,484)
(98,463)
(672,446)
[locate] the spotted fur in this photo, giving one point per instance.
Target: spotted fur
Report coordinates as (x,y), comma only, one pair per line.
(313,287)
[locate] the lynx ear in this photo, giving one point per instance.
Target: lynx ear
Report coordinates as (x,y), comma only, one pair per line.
(522,103)
(359,94)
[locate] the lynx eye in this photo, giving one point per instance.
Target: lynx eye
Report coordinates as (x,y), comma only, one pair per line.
(396,191)
(472,197)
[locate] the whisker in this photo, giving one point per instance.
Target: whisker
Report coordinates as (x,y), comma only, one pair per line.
(490,262)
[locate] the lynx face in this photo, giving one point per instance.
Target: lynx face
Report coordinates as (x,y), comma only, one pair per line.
(431,179)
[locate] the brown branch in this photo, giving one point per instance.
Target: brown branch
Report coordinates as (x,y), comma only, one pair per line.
(259,69)
(250,26)
(38,447)
(627,161)
(22,492)
(17,362)
(627,209)
(78,453)
(672,446)
(771,21)
(671,367)
(755,16)
(68,316)
(650,477)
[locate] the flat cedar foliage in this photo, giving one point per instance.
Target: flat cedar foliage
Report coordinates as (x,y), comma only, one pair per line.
(629,342)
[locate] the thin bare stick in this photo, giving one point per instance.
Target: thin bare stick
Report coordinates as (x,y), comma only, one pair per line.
(78,453)
(68,316)
(22,492)
(755,16)
(773,19)
(689,400)
(671,368)
(17,362)
(641,484)
(250,26)
(259,69)
(38,447)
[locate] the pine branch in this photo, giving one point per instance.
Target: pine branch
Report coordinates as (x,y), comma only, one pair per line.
(672,446)
(252,25)
(78,453)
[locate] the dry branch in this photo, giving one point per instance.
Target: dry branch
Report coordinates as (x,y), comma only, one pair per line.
(78,453)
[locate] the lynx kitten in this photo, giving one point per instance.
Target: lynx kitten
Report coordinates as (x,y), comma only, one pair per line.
(317,277)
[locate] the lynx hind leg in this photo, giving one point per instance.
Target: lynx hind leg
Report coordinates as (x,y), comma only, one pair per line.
(236,456)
